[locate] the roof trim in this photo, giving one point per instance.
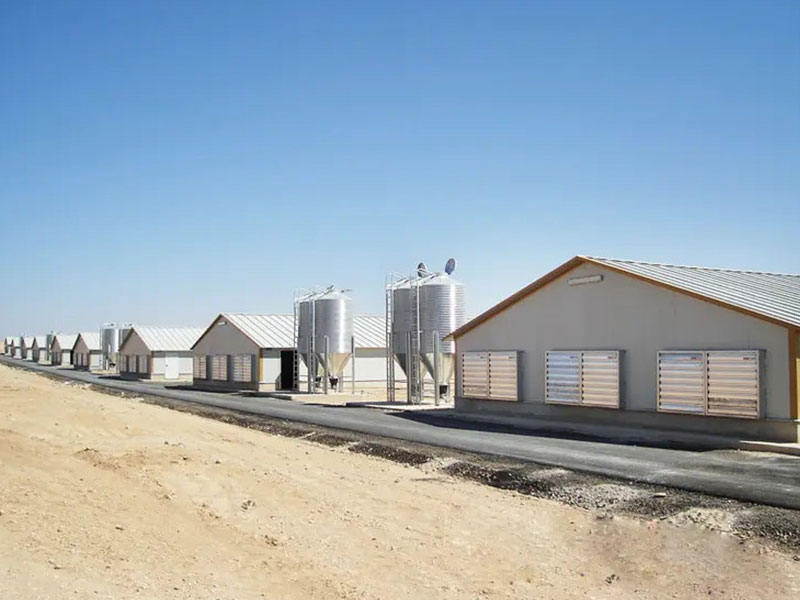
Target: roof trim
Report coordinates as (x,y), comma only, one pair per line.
(214,322)
(125,339)
(603,259)
(516,297)
(81,336)
(698,296)
(579,260)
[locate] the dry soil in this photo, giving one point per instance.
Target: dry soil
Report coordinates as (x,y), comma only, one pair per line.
(108,497)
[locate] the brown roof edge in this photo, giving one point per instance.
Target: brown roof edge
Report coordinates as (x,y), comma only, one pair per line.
(236,327)
(690,293)
(578,260)
(202,335)
(516,297)
(125,339)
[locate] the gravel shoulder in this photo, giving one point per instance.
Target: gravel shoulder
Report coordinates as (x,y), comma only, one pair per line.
(104,496)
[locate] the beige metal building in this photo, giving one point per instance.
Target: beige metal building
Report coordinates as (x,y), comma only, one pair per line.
(61,349)
(86,353)
(604,341)
(26,348)
(8,346)
(40,352)
(256,352)
(158,353)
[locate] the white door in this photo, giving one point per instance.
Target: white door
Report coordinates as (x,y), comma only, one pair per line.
(171,367)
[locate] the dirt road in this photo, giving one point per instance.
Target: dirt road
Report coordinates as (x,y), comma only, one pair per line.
(108,497)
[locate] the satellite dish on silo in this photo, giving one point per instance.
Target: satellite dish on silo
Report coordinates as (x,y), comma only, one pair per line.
(450,266)
(422,269)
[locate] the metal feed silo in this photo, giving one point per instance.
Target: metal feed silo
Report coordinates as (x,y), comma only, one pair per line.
(109,344)
(305,328)
(403,322)
(111,337)
(49,338)
(441,311)
(333,332)
(123,331)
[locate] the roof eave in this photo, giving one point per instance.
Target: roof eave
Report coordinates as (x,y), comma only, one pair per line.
(520,295)
(581,259)
(692,294)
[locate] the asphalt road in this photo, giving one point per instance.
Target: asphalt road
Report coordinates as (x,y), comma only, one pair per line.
(748,476)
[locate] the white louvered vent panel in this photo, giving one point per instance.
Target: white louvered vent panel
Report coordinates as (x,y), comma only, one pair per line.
(242,367)
(733,383)
(681,382)
(475,374)
(200,370)
(219,367)
(503,376)
(563,377)
(600,378)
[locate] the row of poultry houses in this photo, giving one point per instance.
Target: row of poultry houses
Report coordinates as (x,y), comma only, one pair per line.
(594,342)
(236,352)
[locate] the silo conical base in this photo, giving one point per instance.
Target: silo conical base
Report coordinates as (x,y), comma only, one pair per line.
(337,361)
(401,358)
(447,366)
(305,357)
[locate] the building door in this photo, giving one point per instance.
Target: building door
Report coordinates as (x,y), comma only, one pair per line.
(171,370)
(287,370)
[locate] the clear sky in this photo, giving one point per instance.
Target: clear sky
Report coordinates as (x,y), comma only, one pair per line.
(161,162)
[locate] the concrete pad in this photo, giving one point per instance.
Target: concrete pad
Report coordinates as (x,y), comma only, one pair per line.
(400,406)
(628,435)
(791,449)
(332,399)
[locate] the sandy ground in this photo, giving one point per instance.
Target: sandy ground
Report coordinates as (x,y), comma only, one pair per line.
(105,497)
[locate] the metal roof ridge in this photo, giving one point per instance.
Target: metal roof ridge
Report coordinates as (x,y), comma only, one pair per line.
(695,267)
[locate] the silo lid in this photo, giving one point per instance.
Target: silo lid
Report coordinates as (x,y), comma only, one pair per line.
(440,279)
(333,295)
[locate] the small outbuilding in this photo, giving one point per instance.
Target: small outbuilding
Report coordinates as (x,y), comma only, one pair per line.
(158,353)
(644,345)
(256,352)
(40,350)
(26,348)
(8,346)
(61,349)
(86,353)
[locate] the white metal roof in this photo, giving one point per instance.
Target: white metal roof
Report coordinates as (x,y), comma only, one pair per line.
(276,331)
(267,331)
(162,339)
(91,339)
(41,340)
(369,331)
(65,340)
(772,295)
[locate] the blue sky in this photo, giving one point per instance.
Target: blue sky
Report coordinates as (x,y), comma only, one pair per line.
(161,162)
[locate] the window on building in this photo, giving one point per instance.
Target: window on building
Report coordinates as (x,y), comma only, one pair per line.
(583,377)
(490,375)
(219,367)
(243,367)
(200,370)
(723,383)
